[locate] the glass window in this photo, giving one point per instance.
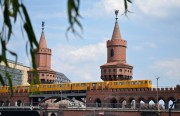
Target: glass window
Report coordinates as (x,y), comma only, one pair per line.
(112,53)
(121,83)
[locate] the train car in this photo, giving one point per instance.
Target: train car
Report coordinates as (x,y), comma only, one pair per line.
(20,89)
(68,87)
(130,84)
(4,89)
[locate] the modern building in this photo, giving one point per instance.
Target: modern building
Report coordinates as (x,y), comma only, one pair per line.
(116,67)
(16,70)
(43,62)
(61,78)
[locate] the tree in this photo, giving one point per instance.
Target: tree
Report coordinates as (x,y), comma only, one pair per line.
(11,9)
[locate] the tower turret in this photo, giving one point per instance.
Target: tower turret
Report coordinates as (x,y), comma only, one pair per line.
(116,67)
(43,62)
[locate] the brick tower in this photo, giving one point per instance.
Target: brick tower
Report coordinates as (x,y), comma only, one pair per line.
(116,67)
(43,62)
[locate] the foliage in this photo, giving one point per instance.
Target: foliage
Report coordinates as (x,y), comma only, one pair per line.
(12,9)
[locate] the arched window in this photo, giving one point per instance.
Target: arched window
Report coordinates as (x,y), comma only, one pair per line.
(112,53)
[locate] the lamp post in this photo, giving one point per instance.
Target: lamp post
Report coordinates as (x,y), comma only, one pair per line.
(157,94)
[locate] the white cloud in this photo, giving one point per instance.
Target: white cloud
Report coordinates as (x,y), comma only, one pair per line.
(143,46)
(79,63)
(168,70)
(158,8)
(105,7)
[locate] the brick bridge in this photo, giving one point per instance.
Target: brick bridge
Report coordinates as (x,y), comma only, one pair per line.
(117,98)
(126,97)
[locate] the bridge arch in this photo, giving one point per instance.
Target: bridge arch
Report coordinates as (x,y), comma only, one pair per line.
(152,100)
(53,114)
(123,102)
(113,103)
(97,102)
(55,97)
(7,103)
(1,103)
(19,102)
(170,102)
(132,102)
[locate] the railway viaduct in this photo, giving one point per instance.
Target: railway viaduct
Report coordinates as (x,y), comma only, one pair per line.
(114,98)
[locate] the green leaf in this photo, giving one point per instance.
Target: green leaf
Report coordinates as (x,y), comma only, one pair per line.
(8,76)
(1,80)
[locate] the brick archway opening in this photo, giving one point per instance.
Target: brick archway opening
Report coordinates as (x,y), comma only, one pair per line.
(113,103)
(1,103)
(53,114)
(170,102)
(19,102)
(97,102)
(123,103)
(132,103)
(162,103)
(141,102)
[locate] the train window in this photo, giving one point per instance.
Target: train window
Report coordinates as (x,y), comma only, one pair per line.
(121,83)
(150,82)
(88,85)
(110,83)
(140,82)
(145,82)
(49,86)
(77,85)
(83,84)
(104,83)
(94,84)
(127,83)
(115,83)
(134,82)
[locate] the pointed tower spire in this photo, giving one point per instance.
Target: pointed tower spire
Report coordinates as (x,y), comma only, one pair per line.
(116,67)
(116,33)
(42,41)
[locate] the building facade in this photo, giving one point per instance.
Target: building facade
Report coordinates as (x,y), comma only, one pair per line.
(17,71)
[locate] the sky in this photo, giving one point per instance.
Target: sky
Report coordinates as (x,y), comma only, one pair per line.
(152,32)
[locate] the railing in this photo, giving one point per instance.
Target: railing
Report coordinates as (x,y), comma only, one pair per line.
(80,105)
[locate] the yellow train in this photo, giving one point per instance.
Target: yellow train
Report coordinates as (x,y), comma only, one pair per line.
(83,86)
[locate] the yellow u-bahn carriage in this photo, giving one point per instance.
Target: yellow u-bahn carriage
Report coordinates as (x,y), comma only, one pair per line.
(83,86)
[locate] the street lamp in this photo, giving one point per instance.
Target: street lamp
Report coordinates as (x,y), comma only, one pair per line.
(157,93)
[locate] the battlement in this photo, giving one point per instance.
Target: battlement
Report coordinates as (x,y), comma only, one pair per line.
(116,42)
(44,50)
(126,90)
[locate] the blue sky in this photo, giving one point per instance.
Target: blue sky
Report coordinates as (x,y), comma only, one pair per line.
(152,32)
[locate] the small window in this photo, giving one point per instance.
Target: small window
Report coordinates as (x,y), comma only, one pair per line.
(115,83)
(112,53)
(94,84)
(83,84)
(134,82)
(120,70)
(109,70)
(140,82)
(114,70)
(105,71)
